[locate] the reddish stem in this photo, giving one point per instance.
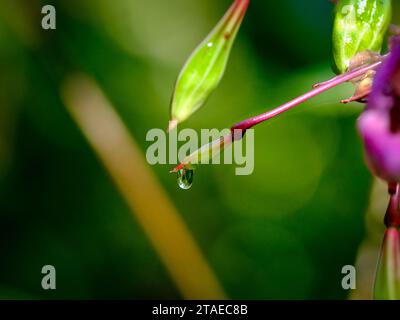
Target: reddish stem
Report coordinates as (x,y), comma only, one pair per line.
(251,122)
(392,217)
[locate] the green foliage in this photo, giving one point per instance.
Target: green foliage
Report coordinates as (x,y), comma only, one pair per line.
(285,231)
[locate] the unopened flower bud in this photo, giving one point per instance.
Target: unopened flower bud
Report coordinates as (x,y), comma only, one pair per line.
(205,67)
(359,25)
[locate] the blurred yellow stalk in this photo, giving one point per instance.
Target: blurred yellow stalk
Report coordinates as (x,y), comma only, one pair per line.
(147,200)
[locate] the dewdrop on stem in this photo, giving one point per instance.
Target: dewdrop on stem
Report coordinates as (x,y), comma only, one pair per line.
(185,178)
(185,170)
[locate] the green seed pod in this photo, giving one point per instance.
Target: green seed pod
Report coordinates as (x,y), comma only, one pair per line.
(205,67)
(359,25)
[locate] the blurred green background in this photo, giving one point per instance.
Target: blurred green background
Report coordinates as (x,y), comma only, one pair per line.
(284,232)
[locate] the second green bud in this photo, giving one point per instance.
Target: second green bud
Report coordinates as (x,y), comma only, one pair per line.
(359,25)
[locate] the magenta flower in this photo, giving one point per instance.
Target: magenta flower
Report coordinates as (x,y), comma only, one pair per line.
(379,124)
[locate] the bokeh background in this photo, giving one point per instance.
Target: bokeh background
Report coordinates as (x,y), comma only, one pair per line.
(284,232)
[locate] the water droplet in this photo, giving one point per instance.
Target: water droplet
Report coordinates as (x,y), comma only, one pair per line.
(185,178)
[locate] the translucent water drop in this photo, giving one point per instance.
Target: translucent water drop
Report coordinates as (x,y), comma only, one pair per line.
(185,178)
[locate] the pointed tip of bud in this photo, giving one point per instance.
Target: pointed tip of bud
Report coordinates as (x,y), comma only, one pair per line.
(177,168)
(172,125)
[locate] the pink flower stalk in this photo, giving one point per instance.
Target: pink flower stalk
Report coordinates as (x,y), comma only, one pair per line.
(387,282)
(251,122)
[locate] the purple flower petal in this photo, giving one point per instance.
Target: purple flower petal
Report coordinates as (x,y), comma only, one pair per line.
(382,146)
(379,125)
